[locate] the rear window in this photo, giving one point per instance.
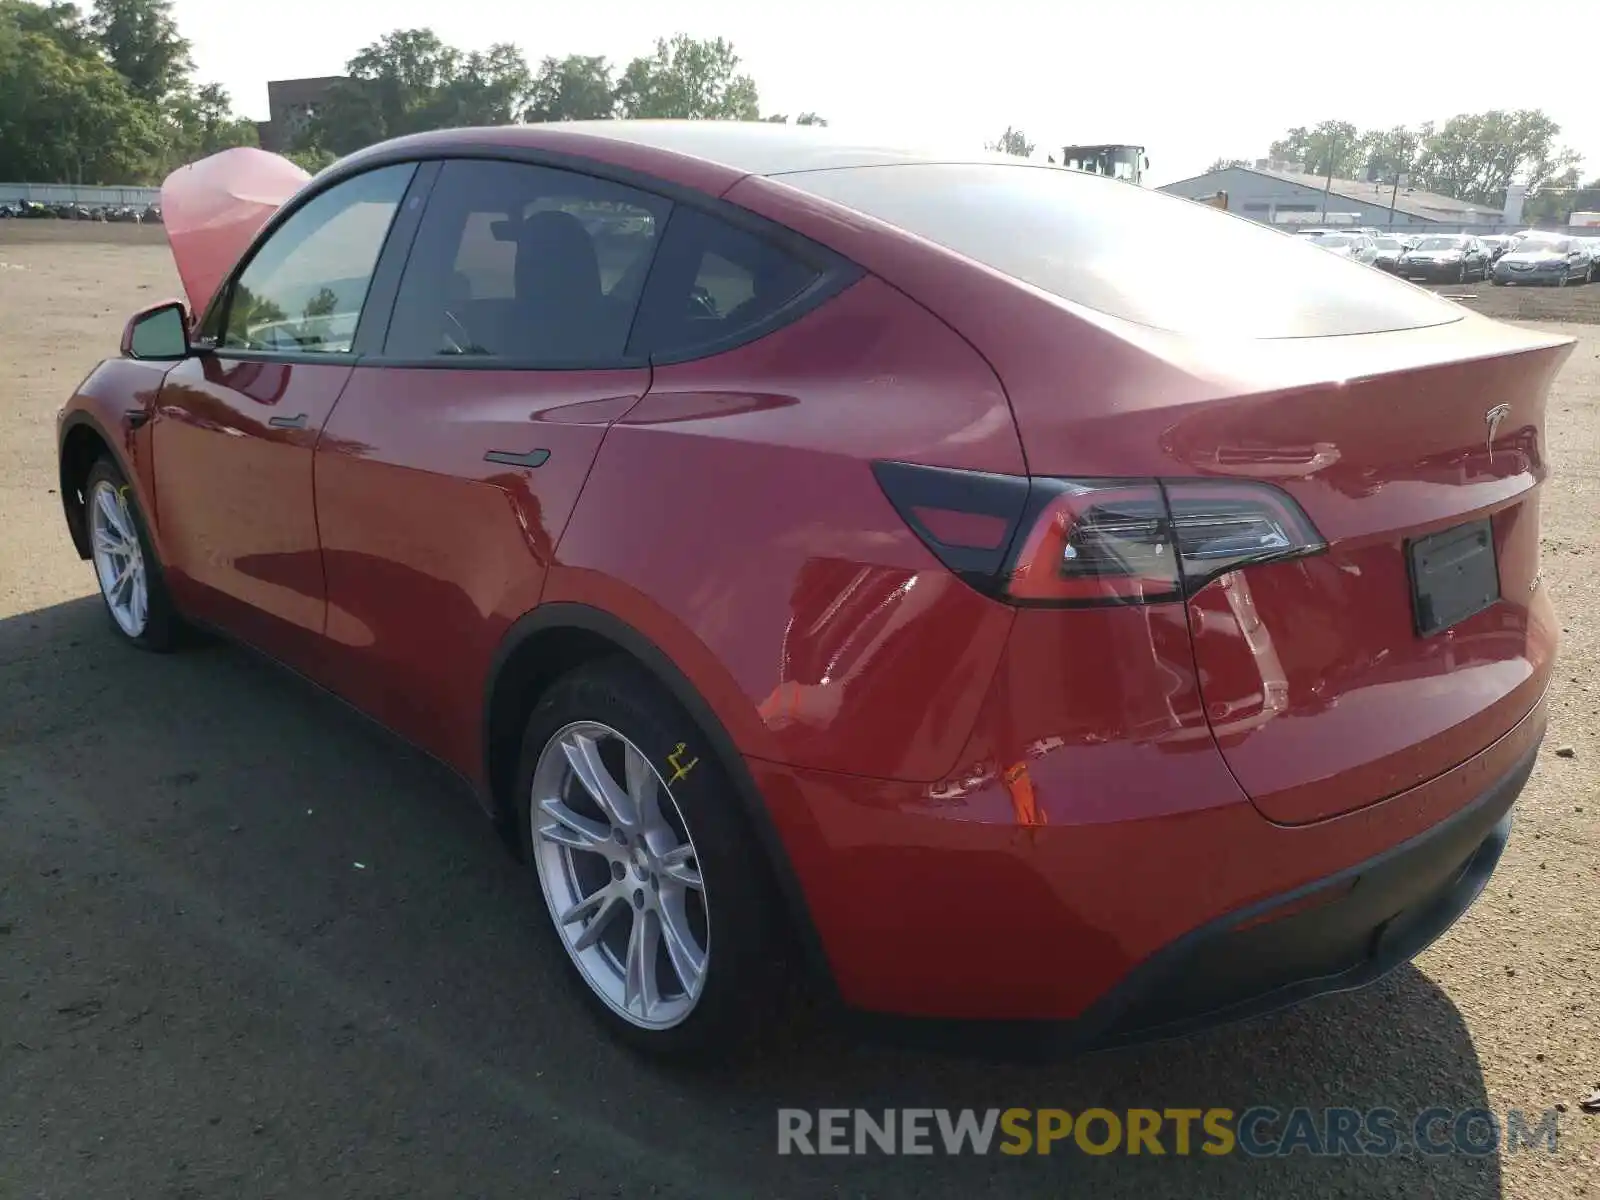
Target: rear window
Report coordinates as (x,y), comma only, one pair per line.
(713,286)
(1099,243)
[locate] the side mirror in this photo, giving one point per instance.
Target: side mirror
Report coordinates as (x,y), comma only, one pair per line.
(159,333)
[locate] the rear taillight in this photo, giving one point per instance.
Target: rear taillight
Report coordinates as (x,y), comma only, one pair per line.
(1095,541)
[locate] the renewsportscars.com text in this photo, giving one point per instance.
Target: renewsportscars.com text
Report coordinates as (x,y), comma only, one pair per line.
(1255,1132)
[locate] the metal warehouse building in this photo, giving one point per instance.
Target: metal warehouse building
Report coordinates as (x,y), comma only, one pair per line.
(1277,195)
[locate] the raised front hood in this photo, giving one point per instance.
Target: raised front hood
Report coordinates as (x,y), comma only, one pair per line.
(213,208)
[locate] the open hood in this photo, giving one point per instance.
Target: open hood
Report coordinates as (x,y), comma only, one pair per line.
(213,208)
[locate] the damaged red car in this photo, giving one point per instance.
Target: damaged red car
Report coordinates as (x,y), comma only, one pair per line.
(829,558)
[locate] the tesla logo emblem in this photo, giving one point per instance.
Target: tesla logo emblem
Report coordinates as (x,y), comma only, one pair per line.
(1494,416)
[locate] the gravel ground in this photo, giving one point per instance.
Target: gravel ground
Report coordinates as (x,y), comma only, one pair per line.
(201,994)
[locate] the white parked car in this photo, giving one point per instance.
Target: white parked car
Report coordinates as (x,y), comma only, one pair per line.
(1357,247)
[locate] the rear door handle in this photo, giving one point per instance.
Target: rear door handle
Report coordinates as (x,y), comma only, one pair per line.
(298,421)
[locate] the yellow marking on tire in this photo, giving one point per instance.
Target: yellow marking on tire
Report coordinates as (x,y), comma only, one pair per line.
(680,769)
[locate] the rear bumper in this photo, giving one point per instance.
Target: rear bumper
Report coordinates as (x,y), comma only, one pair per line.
(1334,935)
(1052,937)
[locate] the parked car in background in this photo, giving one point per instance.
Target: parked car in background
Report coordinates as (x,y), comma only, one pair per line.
(1446,258)
(1357,247)
(1592,245)
(1496,244)
(815,564)
(1548,261)
(1390,250)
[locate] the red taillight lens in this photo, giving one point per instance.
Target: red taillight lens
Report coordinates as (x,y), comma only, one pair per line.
(1098,542)
(1220,526)
(1095,541)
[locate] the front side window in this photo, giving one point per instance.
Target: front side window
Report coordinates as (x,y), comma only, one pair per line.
(713,284)
(534,265)
(304,289)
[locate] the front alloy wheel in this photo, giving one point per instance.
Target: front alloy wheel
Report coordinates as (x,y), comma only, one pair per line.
(118,557)
(125,565)
(619,871)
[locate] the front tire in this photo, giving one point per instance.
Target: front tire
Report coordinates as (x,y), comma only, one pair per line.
(125,565)
(659,900)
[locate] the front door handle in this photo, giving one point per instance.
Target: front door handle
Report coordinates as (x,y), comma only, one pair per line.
(534,458)
(298,421)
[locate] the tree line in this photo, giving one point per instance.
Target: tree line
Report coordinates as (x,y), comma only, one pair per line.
(1473,157)
(109,95)
(409,81)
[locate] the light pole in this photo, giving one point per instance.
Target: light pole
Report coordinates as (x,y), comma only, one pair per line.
(1394,194)
(1334,146)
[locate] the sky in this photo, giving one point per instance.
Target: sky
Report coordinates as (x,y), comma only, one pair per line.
(1188,81)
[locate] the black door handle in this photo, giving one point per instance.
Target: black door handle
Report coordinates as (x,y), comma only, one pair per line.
(298,421)
(137,418)
(534,458)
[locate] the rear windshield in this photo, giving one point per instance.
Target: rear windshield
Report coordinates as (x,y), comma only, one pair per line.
(1095,242)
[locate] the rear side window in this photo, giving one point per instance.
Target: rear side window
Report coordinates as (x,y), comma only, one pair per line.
(529,265)
(713,286)
(1106,245)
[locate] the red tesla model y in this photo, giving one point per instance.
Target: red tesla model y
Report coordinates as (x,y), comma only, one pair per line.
(800,543)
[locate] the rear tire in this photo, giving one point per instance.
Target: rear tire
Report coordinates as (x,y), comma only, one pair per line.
(658,879)
(138,605)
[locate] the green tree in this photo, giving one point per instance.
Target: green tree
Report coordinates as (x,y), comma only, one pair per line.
(63,24)
(200,121)
(409,81)
(1475,156)
(1012,141)
(805,118)
(1334,146)
(1222,164)
(1393,152)
(65,116)
(1556,201)
(489,88)
(688,78)
(575,88)
(312,160)
(142,43)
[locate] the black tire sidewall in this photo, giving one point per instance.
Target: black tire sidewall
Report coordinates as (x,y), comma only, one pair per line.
(162,625)
(743,964)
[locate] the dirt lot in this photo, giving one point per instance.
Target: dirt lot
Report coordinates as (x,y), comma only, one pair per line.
(202,995)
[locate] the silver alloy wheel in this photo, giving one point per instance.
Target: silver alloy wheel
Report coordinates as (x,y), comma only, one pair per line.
(610,840)
(118,558)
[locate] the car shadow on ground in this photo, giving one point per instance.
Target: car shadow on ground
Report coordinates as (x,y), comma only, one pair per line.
(356,874)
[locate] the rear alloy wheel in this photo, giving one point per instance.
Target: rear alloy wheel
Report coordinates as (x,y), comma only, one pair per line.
(656,893)
(124,564)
